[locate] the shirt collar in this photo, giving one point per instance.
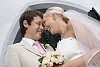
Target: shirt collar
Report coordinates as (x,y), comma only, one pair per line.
(29,41)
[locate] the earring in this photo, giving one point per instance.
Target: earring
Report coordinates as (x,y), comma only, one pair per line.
(62,36)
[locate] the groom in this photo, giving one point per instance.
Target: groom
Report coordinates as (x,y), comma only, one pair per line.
(28,51)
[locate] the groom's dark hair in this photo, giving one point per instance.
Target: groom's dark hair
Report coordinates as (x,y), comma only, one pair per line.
(29,17)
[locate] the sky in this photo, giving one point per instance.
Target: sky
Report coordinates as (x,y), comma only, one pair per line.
(87,3)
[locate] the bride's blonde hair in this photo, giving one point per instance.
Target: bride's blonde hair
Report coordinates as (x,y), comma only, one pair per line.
(56,10)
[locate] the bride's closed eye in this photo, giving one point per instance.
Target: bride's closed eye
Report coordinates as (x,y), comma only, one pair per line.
(44,26)
(43,23)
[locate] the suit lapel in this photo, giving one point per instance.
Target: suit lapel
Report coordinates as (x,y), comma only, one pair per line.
(43,47)
(29,48)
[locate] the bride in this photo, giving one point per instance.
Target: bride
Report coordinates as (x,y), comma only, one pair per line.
(80,39)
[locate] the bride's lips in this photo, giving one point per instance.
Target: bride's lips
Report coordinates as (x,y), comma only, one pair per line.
(49,28)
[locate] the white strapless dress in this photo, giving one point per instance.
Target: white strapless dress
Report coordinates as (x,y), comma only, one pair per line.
(70,49)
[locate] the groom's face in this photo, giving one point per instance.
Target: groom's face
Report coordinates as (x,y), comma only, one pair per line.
(35,29)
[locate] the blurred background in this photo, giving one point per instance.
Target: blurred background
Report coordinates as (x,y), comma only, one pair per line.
(10,11)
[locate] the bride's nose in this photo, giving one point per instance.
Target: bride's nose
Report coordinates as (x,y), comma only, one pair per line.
(45,28)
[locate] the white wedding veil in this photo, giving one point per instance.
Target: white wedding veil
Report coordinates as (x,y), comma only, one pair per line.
(87,31)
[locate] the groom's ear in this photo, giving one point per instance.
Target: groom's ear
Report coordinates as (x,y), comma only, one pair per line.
(25,23)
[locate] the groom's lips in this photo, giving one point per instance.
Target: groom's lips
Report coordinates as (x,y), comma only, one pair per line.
(40,31)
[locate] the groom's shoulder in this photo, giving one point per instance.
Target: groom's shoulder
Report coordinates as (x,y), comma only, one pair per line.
(13,46)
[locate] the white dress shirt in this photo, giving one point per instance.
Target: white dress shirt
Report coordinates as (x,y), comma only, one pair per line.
(30,42)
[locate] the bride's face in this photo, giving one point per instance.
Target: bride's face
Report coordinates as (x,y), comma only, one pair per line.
(51,24)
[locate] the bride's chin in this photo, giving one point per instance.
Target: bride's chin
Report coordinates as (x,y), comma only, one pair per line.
(52,32)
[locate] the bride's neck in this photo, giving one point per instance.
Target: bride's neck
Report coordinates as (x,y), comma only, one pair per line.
(68,31)
(62,28)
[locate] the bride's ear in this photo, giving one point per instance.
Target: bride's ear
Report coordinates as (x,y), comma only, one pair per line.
(54,17)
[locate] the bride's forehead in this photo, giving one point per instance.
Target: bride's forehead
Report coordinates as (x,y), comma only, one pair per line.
(46,18)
